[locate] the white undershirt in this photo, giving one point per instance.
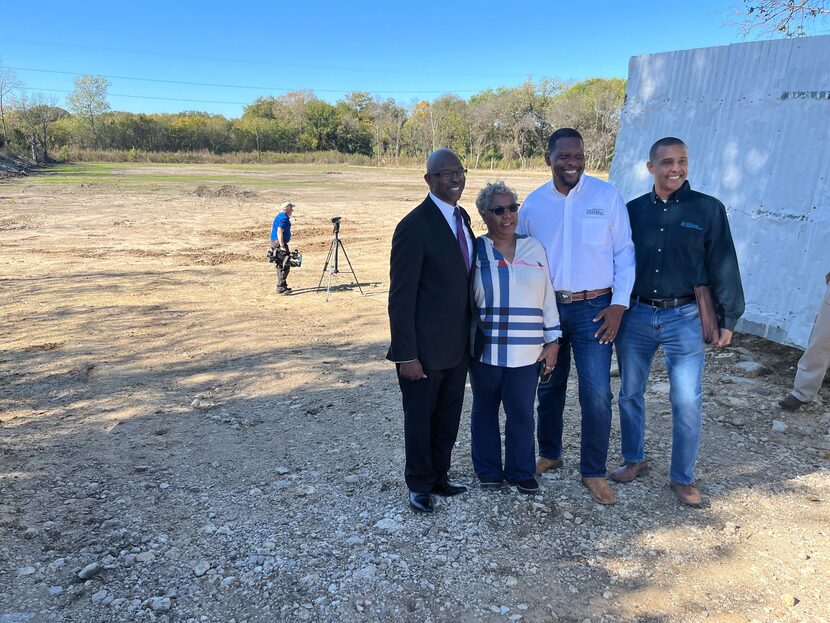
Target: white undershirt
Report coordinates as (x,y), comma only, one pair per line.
(448,212)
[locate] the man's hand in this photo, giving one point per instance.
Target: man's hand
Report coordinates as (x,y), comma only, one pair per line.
(412,370)
(550,353)
(724,338)
(611,317)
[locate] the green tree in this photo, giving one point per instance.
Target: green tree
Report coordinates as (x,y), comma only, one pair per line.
(419,130)
(320,126)
(449,122)
(356,129)
(593,107)
(389,122)
(516,119)
(482,115)
(37,114)
(89,100)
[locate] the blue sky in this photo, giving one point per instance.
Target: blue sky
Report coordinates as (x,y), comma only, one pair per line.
(408,51)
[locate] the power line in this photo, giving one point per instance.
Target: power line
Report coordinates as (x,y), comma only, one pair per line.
(214,59)
(230,86)
(145,97)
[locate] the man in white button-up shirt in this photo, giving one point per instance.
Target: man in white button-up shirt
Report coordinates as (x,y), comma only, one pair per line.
(583,225)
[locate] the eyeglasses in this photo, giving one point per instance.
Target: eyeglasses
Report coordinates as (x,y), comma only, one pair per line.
(513,208)
(448,174)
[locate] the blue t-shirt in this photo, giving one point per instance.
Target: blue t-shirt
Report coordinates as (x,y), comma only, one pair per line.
(283,221)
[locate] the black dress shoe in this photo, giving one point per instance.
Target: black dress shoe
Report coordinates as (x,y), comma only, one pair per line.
(490,483)
(447,489)
(420,502)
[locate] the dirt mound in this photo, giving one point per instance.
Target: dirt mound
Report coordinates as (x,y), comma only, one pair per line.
(11,166)
(226,190)
(12,223)
(224,257)
(238,235)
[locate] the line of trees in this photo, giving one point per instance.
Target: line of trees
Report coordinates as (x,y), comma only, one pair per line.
(496,127)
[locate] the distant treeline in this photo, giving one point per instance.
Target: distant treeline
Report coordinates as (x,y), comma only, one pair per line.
(506,127)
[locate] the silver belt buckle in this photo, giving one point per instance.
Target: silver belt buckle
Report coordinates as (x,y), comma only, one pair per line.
(564,296)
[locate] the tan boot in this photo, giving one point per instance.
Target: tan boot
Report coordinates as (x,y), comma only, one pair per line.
(687,494)
(601,492)
(629,471)
(543,465)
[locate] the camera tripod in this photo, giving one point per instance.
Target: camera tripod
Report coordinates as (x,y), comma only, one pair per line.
(331,264)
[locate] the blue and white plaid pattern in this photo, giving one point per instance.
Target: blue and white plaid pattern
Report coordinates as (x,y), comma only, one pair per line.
(516,305)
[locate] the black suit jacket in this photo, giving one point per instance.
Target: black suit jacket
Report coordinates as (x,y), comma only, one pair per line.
(429,302)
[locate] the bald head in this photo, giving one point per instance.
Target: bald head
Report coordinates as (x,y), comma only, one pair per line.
(445,175)
(438,160)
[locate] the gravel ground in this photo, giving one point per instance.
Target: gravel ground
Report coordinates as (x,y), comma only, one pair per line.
(162,459)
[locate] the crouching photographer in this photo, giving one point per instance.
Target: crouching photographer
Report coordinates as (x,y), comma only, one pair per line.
(280,254)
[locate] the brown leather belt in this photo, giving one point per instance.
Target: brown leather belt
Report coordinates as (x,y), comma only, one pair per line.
(664,303)
(566,296)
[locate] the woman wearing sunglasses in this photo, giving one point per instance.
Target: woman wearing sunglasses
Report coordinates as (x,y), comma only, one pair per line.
(515,339)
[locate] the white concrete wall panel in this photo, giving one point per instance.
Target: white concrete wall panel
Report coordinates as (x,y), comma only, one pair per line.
(756,118)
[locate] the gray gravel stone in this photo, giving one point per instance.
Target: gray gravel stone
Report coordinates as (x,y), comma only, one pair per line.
(750,368)
(100,596)
(160,604)
(89,571)
(388,524)
(778,426)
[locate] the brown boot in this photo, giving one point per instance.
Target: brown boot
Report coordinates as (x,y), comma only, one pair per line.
(601,492)
(629,471)
(543,465)
(687,494)
(790,403)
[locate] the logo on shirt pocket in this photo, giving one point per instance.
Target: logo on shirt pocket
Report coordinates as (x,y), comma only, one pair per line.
(690,225)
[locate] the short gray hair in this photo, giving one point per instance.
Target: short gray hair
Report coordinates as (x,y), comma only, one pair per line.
(486,194)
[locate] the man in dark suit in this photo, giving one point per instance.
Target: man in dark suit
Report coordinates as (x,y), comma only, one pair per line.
(429,317)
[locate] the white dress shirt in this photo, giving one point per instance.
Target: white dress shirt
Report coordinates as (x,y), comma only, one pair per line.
(586,235)
(449,213)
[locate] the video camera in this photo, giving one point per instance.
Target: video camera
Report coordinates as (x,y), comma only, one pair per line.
(277,256)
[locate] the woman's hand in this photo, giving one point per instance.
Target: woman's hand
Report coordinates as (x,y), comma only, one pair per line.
(549,355)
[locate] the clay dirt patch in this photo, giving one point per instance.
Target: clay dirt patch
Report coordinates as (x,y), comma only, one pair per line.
(226,190)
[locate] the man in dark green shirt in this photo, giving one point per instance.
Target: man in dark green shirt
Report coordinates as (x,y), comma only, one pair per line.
(681,240)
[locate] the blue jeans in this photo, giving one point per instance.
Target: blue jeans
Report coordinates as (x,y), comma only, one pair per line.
(643,329)
(515,389)
(593,368)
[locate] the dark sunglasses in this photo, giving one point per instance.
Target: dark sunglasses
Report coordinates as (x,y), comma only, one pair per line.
(513,208)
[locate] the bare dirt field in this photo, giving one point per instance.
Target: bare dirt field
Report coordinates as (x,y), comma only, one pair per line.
(178,443)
